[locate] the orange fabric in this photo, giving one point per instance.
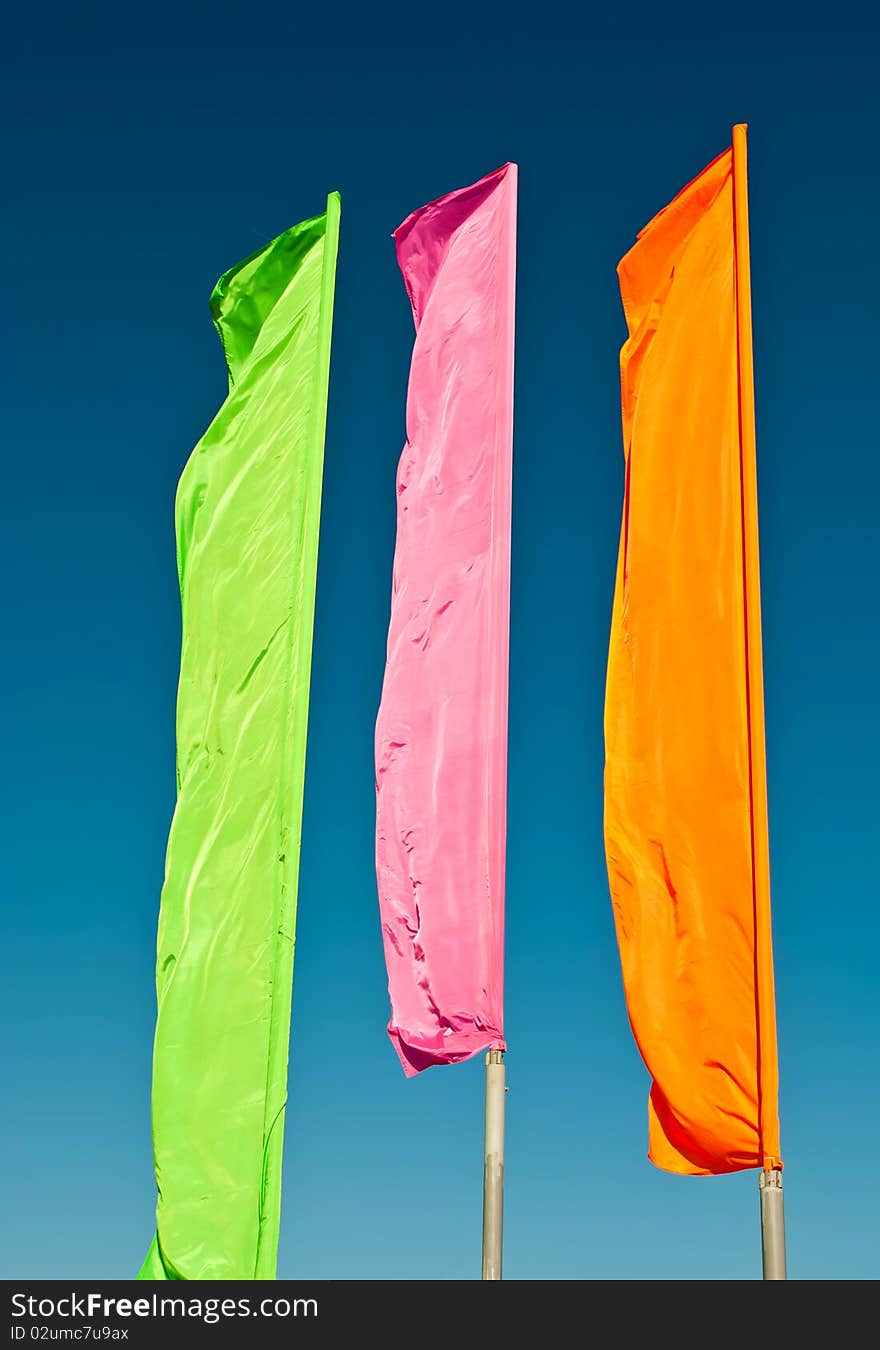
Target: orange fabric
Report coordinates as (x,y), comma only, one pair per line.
(685,794)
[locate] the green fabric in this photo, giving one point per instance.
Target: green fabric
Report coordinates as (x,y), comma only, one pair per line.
(248,510)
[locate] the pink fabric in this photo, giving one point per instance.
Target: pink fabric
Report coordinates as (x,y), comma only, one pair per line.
(441,734)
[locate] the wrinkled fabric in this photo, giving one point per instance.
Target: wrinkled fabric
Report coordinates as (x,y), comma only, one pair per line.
(247,516)
(441,734)
(683,721)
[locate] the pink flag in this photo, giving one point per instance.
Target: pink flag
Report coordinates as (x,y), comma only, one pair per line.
(441,734)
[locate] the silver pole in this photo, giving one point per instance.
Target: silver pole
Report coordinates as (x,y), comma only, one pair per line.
(772,1225)
(493,1172)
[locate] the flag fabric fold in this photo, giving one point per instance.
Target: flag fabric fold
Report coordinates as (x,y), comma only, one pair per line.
(441,733)
(685,794)
(247,519)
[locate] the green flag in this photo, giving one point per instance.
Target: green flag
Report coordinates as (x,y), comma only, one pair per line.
(247,514)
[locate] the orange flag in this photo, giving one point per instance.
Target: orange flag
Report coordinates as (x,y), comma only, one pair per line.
(685,780)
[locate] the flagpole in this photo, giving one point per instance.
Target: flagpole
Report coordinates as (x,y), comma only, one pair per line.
(770,1179)
(772,1224)
(493,1169)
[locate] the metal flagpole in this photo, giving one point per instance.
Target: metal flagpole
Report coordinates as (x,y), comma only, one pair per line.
(493,1171)
(770,1179)
(772,1224)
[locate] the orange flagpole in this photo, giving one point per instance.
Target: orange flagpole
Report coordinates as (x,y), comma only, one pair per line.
(770,1180)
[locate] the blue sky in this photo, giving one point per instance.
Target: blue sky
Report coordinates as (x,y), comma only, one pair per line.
(148,151)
